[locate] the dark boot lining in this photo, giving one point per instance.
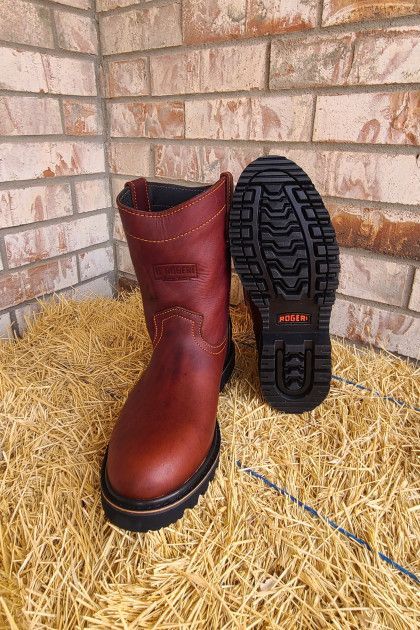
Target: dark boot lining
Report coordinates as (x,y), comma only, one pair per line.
(163,196)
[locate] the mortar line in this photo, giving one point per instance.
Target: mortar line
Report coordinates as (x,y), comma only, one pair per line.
(61,53)
(101,91)
(325,146)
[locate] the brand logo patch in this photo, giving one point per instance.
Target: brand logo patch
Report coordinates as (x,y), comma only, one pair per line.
(293,318)
(175,272)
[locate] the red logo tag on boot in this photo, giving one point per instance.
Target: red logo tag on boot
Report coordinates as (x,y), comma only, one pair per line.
(293,318)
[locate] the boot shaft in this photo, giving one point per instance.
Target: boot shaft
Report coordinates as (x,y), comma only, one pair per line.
(177,238)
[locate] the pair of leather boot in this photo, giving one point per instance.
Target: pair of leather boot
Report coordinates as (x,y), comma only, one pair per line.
(165,446)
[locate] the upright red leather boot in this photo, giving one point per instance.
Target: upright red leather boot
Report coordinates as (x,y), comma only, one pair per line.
(165,445)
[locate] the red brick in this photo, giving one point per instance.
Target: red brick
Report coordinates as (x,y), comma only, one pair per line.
(342,11)
(374,279)
(25,23)
(70,76)
(367,58)
(130,158)
(124,263)
(117,184)
(89,290)
(52,240)
(203,164)
(216,160)
(32,282)
(95,262)
(33,160)
(119,234)
(127,78)
(373,118)
(213,20)
(160,119)
(261,118)
(29,115)
(34,203)
(216,20)
(92,194)
(395,331)
(6,331)
(30,71)
(367,176)
(79,4)
(268,17)
(310,61)
(76,32)
(386,230)
(81,118)
(25,314)
(107,5)
(209,70)
(141,29)
(414,303)
(386,57)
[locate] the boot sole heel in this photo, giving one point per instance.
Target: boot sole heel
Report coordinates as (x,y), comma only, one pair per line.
(144,516)
(285,251)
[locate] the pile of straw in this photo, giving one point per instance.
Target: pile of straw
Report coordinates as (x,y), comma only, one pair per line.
(246,557)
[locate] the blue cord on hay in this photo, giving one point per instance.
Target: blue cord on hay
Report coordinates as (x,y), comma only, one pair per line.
(329,521)
(400,403)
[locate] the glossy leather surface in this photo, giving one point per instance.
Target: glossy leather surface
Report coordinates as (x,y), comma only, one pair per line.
(181,258)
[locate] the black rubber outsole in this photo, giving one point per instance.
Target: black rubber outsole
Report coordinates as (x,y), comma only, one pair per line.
(144,516)
(285,251)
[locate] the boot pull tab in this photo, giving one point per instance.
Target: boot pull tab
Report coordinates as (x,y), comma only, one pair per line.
(228,201)
(229,188)
(139,194)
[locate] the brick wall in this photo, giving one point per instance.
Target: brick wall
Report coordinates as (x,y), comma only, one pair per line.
(199,86)
(55,217)
(193,87)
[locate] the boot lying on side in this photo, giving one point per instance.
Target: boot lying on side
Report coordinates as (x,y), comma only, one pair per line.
(164,448)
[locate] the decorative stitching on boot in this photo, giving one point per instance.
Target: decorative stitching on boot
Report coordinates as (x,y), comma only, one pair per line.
(174,238)
(147,195)
(163,215)
(133,191)
(215,349)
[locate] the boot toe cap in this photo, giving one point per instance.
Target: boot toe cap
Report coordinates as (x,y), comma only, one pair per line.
(144,474)
(142,481)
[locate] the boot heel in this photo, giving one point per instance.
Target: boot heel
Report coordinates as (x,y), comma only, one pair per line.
(284,249)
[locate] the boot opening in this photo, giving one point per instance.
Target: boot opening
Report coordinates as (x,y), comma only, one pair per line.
(163,196)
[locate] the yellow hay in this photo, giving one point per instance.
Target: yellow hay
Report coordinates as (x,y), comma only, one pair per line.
(246,557)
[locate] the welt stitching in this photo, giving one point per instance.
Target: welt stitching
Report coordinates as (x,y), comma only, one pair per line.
(162,186)
(147,215)
(174,238)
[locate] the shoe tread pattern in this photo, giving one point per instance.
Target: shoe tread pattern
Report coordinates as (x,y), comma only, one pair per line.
(285,251)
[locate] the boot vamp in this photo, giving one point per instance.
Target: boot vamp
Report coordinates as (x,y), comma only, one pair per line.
(167,424)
